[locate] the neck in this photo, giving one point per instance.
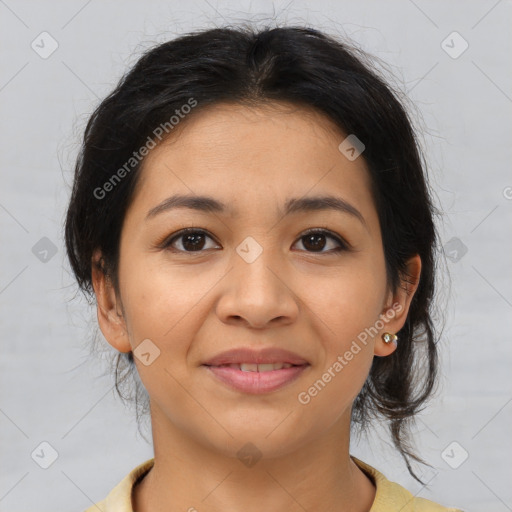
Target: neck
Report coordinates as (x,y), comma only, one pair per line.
(188,476)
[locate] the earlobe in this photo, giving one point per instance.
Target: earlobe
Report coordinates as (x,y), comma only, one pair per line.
(386,345)
(111,322)
(397,308)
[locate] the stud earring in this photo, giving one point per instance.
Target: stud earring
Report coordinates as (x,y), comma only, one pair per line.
(390,338)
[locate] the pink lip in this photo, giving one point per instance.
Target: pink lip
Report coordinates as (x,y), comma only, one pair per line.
(262,356)
(256,382)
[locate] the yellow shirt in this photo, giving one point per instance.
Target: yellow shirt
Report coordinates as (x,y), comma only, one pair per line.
(389,496)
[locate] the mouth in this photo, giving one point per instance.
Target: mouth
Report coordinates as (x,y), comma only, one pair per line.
(261,357)
(256,371)
(252,378)
(253,367)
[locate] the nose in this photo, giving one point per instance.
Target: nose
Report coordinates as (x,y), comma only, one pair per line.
(259,294)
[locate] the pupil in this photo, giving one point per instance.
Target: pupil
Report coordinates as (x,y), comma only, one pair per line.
(194,240)
(313,240)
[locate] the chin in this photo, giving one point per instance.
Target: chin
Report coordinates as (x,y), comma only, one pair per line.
(259,437)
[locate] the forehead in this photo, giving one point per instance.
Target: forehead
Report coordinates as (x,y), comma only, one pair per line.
(253,155)
(231,128)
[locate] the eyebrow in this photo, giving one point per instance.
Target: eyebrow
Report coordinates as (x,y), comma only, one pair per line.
(293,205)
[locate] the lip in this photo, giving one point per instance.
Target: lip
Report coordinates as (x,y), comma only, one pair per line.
(254,382)
(261,356)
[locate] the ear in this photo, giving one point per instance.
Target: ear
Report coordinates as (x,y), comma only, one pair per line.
(110,317)
(397,306)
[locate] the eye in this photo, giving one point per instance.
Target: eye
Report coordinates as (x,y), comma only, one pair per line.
(314,241)
(192,240)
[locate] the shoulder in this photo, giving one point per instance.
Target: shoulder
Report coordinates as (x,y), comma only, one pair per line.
(119,498)
(424,505)
(391,496)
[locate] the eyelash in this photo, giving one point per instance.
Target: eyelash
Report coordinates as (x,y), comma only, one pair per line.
(168,241)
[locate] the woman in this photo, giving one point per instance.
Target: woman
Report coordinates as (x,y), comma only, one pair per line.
(251,214)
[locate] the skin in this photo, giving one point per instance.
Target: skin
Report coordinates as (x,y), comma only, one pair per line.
(193,305)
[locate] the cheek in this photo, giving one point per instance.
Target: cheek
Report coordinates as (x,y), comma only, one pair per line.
(164,304)
(346,360)
(152,303)
(348,313)
(349,303)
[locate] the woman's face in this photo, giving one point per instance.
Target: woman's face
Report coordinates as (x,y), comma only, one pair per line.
(249,277)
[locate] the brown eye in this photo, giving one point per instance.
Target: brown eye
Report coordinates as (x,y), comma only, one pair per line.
(316,241)
(190,240)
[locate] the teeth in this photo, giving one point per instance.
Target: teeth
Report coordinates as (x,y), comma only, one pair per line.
(251,367)
(267,367)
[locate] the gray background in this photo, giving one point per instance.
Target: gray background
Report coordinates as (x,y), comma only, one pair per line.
(51,388)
